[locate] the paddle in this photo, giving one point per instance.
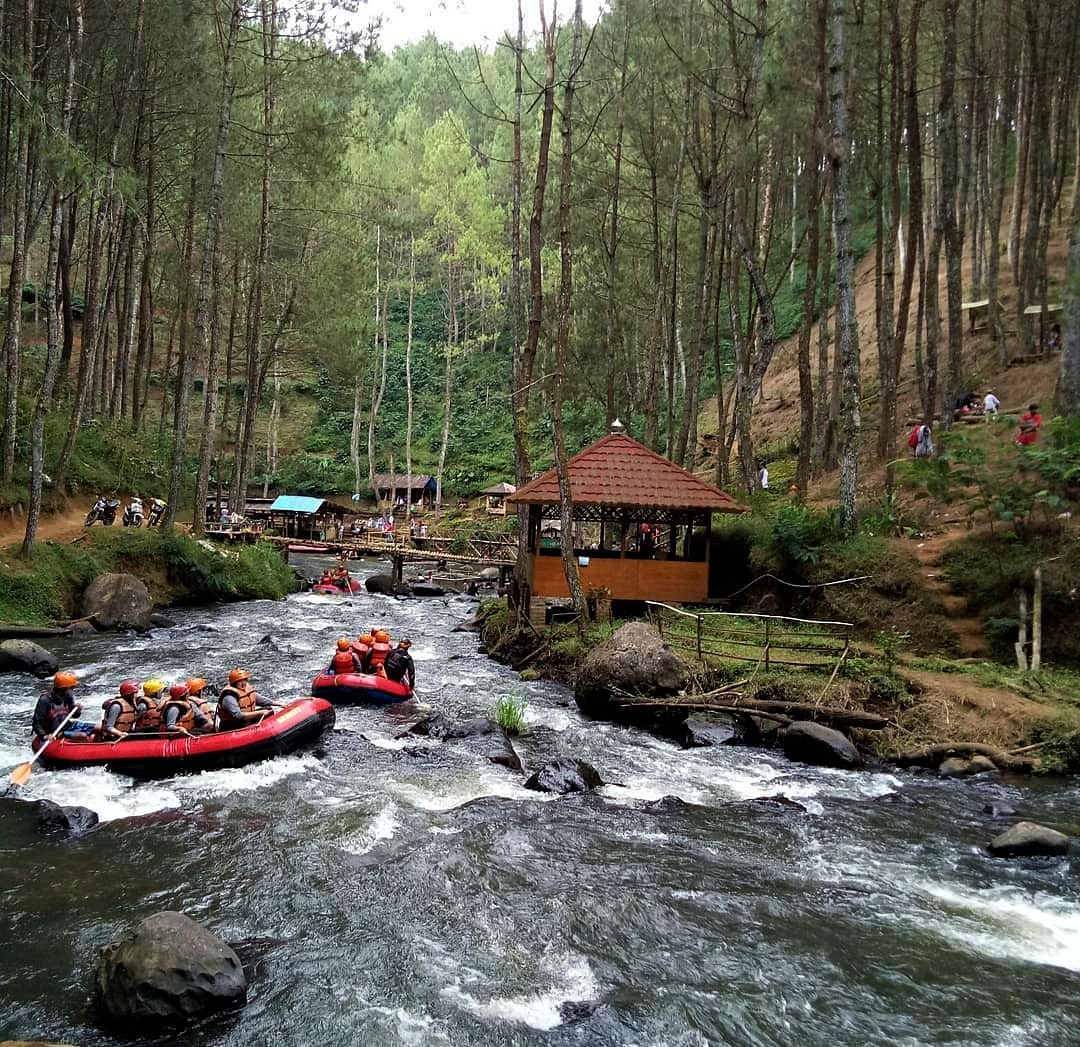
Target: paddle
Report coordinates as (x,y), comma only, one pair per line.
(21,774)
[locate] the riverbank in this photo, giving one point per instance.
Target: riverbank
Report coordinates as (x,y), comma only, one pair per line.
(175,568)
(930,704)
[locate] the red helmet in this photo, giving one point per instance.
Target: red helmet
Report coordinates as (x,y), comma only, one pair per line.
(129,688)
(178,690)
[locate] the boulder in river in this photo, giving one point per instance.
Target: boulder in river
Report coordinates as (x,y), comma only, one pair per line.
(118,601)
(381,583)
(161,621)
(25,656)
(564,775)
(480,735)
(65,822)
(168,970)
(633,662)
(808,742)
(1028,839)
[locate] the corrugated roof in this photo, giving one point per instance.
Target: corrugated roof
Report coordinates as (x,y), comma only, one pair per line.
(411,483)
(296,503)
(499,488)
(618,471)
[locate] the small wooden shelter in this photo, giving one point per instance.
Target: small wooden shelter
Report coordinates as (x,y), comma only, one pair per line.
(654,524)
(297,516)
(495,498)
(392,488)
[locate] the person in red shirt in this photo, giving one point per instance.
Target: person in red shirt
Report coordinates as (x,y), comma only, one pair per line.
(1029,426)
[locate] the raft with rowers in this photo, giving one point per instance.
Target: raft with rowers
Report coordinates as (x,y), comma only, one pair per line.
(147,731)
(368,669)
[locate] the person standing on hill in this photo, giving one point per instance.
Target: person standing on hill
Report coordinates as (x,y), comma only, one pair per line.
(1030,423)
(990,403)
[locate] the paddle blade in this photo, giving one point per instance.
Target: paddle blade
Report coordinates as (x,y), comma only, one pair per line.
(21,774)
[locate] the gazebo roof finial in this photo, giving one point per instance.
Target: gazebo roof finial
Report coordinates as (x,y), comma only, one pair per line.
(617,428)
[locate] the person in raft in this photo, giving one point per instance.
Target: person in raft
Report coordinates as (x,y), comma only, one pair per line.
(184,712)
(399,665)
(379,650)
(53,707)
(345,659)
(362,647)
(120,712)
(238,704)
(326,579)
(148,709)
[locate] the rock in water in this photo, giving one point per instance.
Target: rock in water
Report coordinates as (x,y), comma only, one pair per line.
(481,736)
(24,656)
(565,775)
(65,822)
(634,661)
(161,621)
(118,601)
(1026,839)
(381,583)
(955,767)
(809,742)
(166,971)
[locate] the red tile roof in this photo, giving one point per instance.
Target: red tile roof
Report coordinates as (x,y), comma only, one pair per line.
(618,471)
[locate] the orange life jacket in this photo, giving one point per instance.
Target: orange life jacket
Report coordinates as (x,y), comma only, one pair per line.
(344,662)
(128,713)
(245,699)
(150,719)
(187,706)
(379,651)
(362,651)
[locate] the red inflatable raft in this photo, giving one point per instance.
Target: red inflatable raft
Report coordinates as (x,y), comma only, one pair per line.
(358,688)
(336,590)
(158,756)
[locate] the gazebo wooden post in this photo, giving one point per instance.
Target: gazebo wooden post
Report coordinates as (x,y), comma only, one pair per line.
(673,535)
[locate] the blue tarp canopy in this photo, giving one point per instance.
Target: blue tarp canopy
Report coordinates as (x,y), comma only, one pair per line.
(295,503)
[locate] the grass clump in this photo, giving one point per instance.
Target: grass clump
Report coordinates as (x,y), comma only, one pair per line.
(509,713)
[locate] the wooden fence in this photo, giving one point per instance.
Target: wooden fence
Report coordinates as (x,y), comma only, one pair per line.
(768,639)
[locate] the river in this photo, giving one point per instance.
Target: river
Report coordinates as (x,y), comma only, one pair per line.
(432,900)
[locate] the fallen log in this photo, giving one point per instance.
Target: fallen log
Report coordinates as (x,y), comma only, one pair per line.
(18,632)
(933,755)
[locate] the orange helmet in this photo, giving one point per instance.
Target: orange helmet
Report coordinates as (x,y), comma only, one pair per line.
(239,675)
(66,679)
(178,690)
(368,639)
(196,684)
(343,644)
(382,636)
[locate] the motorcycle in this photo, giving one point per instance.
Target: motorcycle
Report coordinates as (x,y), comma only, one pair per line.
(133,514)
(104,509)
(157,509)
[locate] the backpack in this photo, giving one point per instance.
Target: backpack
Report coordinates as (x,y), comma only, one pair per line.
(913,439)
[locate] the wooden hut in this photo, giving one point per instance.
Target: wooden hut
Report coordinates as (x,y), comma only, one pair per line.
(396,488)
(296,516)
(654,522)
(495,498)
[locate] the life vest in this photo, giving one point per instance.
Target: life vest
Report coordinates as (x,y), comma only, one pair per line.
(362,651)
(187,707)
(378,654)
(150,718)
(245,699)
(396,665)
(128,713)
(344,662)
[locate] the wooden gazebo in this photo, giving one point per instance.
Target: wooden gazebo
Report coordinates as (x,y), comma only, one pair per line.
(495,498)
(654,524)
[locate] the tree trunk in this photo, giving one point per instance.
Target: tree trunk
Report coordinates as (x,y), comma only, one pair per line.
(206,274)
(847,324)
(952,234)
(408,376)
(208,435)
(562,338)
(1068,398)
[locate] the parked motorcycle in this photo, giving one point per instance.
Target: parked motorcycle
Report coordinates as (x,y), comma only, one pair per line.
(157,510)
(133,514)
(104,509)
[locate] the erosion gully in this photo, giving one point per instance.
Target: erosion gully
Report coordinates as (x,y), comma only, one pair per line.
(404,898)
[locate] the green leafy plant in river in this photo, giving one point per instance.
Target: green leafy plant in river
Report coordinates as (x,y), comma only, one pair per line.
(510,713)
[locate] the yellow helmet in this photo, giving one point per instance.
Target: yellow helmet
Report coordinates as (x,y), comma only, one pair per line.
(152,687)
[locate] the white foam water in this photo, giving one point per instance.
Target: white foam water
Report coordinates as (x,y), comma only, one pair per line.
(575,981)
(110,796)
(382,827)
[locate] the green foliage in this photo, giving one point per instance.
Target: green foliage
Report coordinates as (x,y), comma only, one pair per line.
(892,643)
(799,534)
(888,689)
(509,713)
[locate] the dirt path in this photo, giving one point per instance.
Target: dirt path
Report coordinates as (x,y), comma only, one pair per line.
(967,628)
(52,527)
